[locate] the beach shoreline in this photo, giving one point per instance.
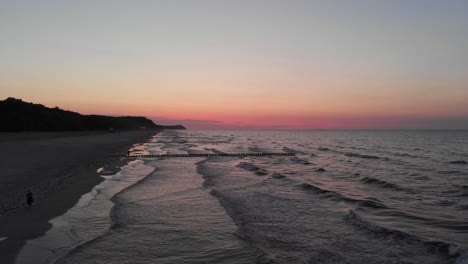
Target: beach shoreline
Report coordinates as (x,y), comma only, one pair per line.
(58,168)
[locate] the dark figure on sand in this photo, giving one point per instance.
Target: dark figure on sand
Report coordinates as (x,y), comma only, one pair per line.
(29,198)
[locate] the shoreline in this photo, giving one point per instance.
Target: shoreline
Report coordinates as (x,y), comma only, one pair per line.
(59,168)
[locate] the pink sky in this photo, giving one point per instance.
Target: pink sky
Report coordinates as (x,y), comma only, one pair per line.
(243,64)
(386,122)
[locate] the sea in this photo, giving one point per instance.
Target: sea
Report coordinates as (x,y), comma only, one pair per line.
(395,197)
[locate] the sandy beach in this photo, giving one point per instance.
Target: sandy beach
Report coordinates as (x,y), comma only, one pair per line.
(58,168)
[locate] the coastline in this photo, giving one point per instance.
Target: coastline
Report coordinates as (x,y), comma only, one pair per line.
(58,168)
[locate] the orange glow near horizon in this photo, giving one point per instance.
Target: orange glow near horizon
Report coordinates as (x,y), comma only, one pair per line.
(205,118)
(231,64)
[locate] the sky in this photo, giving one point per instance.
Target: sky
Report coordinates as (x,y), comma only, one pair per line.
(362,64)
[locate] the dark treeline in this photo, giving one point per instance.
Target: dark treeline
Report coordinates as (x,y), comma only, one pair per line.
(17,115)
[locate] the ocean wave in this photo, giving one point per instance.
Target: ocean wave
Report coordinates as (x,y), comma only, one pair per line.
(449,172)
(290,150)
(422,178)
(445,202)
(251,167)
(248,166)
(463,258)
(455,225)
(400,214)
(308,186)
(362,156)
(403,154)
(216,151)
(323,149)
(209,172)
(457,191)
(278,175)
(440,247)
(261,150)
(459,162)
(354,218)
(380,183)
(370,202)
(89,219)
(462,207)
(300,161)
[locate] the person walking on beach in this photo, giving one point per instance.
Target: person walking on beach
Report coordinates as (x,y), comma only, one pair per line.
(29,198)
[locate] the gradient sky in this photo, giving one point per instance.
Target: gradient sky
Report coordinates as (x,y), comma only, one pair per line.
(243,64)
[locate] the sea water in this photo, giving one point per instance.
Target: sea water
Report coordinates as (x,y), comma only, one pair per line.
(345,197)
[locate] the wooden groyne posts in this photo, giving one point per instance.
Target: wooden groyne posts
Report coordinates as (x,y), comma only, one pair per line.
(258,154)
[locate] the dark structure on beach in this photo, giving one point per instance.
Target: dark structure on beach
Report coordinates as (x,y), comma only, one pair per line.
(17,115)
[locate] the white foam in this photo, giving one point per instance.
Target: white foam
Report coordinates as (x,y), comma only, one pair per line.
(88,219)
(463,259)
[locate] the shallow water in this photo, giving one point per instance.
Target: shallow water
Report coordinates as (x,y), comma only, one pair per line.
(88,219)
(346,197)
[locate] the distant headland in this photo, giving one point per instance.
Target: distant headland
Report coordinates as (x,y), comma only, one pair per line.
(17,115)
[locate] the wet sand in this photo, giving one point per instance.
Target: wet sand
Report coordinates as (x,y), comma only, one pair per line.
(58,168)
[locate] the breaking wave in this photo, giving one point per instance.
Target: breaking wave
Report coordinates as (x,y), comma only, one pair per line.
(370,202)
(251,167)
(440,247)
(380,183)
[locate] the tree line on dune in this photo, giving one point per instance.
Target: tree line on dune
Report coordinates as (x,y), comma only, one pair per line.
(17,115)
